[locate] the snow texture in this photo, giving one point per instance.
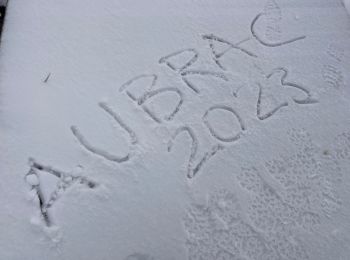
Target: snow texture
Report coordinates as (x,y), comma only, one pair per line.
(347,5)
(151,130)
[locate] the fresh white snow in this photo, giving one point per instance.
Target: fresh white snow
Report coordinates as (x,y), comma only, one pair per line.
(151,130)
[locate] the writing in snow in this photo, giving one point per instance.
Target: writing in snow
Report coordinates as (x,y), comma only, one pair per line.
(182,62)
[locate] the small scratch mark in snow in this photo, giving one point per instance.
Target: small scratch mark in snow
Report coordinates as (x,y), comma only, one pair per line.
(47,78)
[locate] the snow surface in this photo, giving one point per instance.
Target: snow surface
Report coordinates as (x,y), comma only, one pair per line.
(141,130)
(347,5)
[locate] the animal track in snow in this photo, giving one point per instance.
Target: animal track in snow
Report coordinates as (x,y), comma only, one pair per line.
(64,181)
